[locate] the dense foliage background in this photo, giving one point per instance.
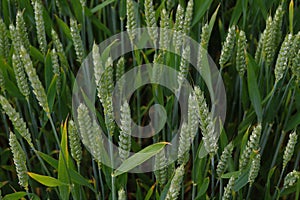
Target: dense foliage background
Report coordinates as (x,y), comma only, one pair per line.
(261,76)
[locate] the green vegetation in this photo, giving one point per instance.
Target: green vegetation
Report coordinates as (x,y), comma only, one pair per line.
(48,150)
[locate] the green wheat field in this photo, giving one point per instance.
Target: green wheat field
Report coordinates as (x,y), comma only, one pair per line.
(50,149)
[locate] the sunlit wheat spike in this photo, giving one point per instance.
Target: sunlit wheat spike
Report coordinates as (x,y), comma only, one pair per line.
(268,42)
(77,42)
(131,21)
(40,26)
(272,35)
(105,89)
(254,169)
(226,154)
(175,186)
(259,49)
(109,115)
(150,20)
(178,29)
(184,64)
(184,144)
(16,119)
(160,167)
(121,194)
(19,158)
(22,30)
(125,133)
(205,35)
(277,23)
(4,41)
(74,141)
(85,125)
(56,69)
(228,46)
(14,38)
(202,51)
(120,70)
(291,179)
(21,78)
(295,57)
(59,48)
(90,132)
(289,150)
(206,123)
(252,145)
(296,66)
(97,64)
(164,39)
(106,83)
(282,59)
(193,116)
(96,141)
(241,53)
(36,84)
(228,189)
(2,82)
(188,17)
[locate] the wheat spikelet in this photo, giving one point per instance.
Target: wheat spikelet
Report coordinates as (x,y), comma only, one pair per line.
(289,150)
(226,154)
(202,51)
(164,27)
(272,35)
(178,29)
(40,26)
(22,30)
(295,57)
(254,169)
(74,142)
(131,21)
(175,186)
(4,41)
(125,133)
(21,78)
(150,20)
(184,64)
(206,123)
(90,132)
(184,144)
(228,189)
(228,46)
(193,116)
(188,17)
(241,53)
(252,145)
(14,38)
(19,158)
(259,49)
(77,42)
(120,70)
(16,120)
(160,167)
(36,84)
(59,48)
(56,69)
(96,142)
(282,60)
(97,64)
(2,82)
(291,178)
